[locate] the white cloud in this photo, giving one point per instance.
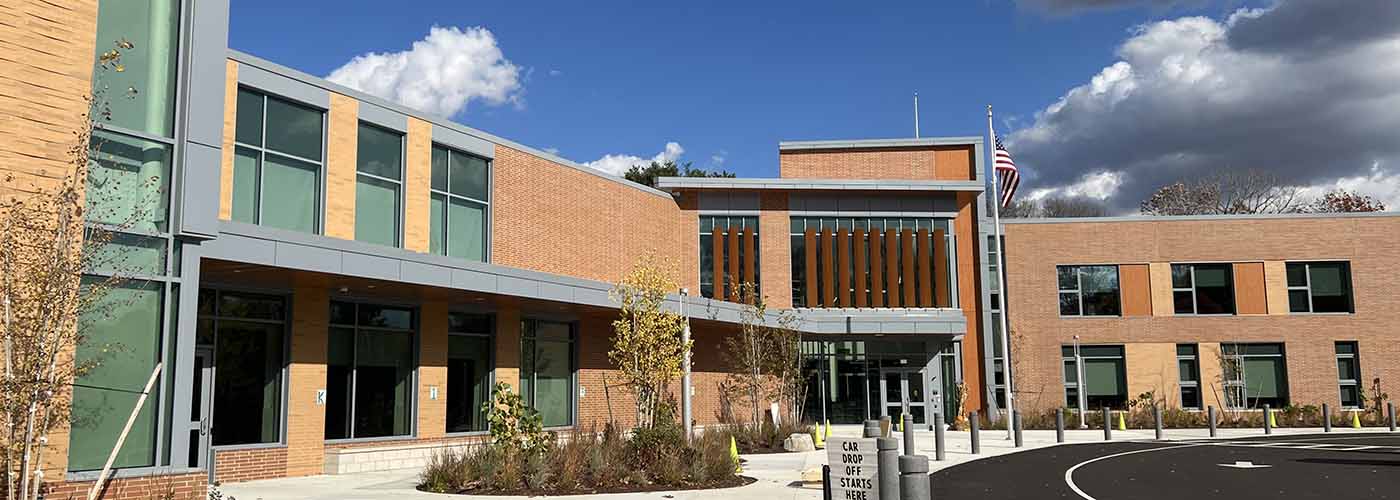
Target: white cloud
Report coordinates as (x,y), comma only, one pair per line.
(1379,183)
(440,74)
(717,160)
(1096,185)
(617,164)
(1304,89)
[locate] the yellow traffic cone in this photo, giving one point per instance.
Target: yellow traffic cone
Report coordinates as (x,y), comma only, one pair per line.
(1272,421)
(1122,424)
(828,430)
(1355,420)
(899,425)
(817,437)
(734,455)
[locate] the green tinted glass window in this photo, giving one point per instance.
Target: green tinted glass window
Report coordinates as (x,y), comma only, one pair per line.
(142,95)
(437,224)
(459,185)
(249,115)
(294,129)
(468,176)
(129,183)
(291,189)
(466,234)
(439,181)
(379,152)
(123,336)
(376,211)
(245,185)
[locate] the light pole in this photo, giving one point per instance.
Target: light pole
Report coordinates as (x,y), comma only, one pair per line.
(685,367)
(1081,387)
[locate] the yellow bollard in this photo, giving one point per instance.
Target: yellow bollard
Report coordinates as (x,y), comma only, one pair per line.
(828,430)
(1122,424)
(817,437)
(734,455)
(1273,422)
(899,425)
(1355,420)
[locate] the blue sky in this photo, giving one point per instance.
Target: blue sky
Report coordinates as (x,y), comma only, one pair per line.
(728,80)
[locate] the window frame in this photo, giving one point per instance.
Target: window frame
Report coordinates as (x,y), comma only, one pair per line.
(414,377)
(490,336)
(1355,357)
(1067,359)
(1195,378)
(318,211)
(1307,286)
(529,399)
(1242,384)
(285,374)
(1079,289)
(1195,296)
(743,218)
(798,222)
(449,196)
(403,171)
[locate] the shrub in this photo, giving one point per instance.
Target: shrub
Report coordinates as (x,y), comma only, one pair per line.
(668,468)
(513,423)
(446,472)
(536,470)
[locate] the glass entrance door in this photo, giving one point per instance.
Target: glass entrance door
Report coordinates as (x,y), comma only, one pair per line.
(902,391)
(200,412)
(948,369)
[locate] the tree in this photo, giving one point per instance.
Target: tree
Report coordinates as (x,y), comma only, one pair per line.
(1021,209)
(1250,192)
(767,359)
(647,346)
(1054,206)
(1341,200)
(647,175)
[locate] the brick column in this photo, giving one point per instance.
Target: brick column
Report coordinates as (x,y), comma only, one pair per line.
(306,420)
(226,154)
(432,369)
(343,131)
(417,183)
(508,347)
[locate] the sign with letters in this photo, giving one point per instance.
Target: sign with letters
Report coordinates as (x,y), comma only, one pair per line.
(854,473)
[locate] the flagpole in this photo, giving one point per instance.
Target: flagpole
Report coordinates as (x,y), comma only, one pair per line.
(1001,279)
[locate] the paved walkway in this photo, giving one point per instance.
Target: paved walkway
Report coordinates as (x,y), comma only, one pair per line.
(779,475)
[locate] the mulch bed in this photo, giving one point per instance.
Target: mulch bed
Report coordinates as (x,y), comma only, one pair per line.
(731,482)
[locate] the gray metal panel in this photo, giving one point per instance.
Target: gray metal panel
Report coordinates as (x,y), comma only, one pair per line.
(852,204)
(886,204)
(593,297)
(282,86)
(242,249)
(751,184)
(1170,218)
(552,291)
(474,280)
(425,274)
(728,201)
(512,285)
(469,143)
(199,190)
(204,94)
(187,317)
(309,258)
(369,266)
(384,117)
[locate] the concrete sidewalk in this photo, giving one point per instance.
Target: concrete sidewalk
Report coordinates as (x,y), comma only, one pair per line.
(779,476)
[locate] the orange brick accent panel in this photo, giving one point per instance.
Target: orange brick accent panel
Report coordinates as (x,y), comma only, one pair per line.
(192,486)
(1033,250)
(1249,288)
(1133,280)
(557,219)
(969,299)
(226,153)
(233,466)
(342,143)
(306,421)
(417,183)
(941,163)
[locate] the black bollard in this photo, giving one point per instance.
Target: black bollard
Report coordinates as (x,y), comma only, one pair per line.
(1107,424)
(826,482)
(913,477)
(1210,416)
(1157,415)
(1059,425)
(976,423)
(938,435)
(887,461)
(1268,422)
(1326,418)
(1016,422)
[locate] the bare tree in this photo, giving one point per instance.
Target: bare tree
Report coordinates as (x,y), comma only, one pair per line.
(767,358)
(1072,207)
(1341,200)
(1249,192)
(1021,209)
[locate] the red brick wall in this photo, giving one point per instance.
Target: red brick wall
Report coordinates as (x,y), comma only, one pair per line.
(192,486)
(232,466)
(1371,244)
(928,162)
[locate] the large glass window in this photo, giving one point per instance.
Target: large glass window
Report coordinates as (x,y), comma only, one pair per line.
(128,184)
(369,376)
(141,96)
(247,333)
(277,163)
(1105,376)
(1319,287)
(1203,289)
(1189,375)
(874,245)
(1088,290)
(379,185)
(460,192)
(123,334)
(468,371)
(547,370)
(710,285)
(1255,375)
(1349,374)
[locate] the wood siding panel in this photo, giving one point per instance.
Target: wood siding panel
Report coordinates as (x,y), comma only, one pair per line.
(1250,296)
(843,267)
(828,281)
(717,267)
(907,245)
(877,284)
(1135,284)
(810,238)
(940,268)
(892,265)
(925,271)
(750,258)
(858,241)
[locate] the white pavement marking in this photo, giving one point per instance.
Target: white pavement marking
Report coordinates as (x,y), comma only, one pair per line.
(1069,474)
(1245,464)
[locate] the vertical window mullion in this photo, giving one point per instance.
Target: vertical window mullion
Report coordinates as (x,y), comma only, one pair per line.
(1307,277)
(1079,284)
(258,170)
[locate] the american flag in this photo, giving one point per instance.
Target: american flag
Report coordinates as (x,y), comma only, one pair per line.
(1005,168)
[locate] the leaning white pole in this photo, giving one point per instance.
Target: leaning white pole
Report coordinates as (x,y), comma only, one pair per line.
(121,439)
(685,368)
(1001,279)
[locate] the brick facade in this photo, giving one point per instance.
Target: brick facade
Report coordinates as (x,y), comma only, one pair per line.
(1367,242)
(233,466)
(192,486)
(910,163)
